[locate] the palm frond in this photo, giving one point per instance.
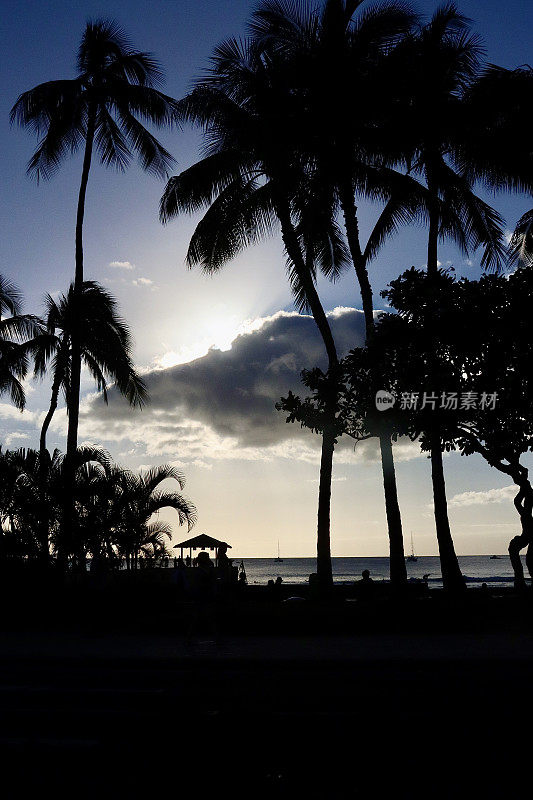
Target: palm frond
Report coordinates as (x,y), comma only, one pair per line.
(10,297)
(241,215)
(521,243)
(153,157)
(195,188)
(110,142)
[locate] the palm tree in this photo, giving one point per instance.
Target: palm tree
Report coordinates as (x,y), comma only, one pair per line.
(344,62)
(23,477)
(119,506)
(17,507)
(14,332)
(100,107)
(437,68)
(105,346)
(250,181)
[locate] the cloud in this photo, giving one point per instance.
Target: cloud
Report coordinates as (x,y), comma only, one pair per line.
(121,265)
(222,404)
(504,495)
(145,282)
(13,437)
(7,411)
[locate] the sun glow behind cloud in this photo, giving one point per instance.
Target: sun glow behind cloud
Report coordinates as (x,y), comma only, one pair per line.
(218,331)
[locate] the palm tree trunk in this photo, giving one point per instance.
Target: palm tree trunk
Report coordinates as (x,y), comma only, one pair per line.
(323,541)
(74,389)
(44,516)
(398,572)
(349,210)
(91,125)
(452,577)
(56,385)
(292,246)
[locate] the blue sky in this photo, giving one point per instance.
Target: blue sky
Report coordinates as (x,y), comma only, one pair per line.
(176,315)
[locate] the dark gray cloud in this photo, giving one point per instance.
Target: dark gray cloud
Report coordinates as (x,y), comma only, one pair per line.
(231,393)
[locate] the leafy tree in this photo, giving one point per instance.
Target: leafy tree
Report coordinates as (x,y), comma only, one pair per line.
(471,361)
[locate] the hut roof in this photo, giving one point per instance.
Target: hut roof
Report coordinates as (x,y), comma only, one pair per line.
(201,541)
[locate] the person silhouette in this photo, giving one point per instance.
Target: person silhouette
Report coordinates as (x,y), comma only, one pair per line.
(366,585)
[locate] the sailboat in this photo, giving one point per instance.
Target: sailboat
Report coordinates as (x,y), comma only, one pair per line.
(278,560)
(412,557)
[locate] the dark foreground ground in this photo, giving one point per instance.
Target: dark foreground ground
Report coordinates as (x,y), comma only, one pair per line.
(382,698)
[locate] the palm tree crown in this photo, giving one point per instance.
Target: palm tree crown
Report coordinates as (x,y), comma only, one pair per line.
(115,85)
(105,347)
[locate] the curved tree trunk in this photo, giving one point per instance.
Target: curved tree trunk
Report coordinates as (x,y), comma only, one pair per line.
(292,246)
(44,521)
(398,572)
(452,577)
(524,505)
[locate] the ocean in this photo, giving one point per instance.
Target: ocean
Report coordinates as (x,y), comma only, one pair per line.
(476,569)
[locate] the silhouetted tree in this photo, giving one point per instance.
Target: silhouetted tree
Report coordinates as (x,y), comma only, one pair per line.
(16,331)
(439,66)
(99,109)
(251,180)
(89,316)
(26,480)
(476,347)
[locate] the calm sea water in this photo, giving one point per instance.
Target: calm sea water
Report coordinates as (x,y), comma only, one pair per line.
(476,569)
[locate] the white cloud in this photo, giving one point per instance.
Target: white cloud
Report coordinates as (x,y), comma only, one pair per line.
(145,282)
(7,411)
(121,265)
(11,437)
(503,495)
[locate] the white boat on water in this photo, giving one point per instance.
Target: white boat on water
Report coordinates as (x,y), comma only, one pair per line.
(412,557)
(278,560)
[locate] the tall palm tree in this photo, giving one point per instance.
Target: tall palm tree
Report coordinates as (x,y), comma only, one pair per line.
(342,71)
(436,69)
(499,150)
(100,108)
(251,181)
(14,342)
(105,346)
